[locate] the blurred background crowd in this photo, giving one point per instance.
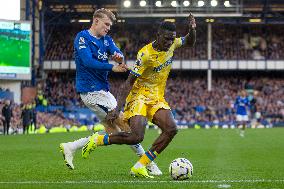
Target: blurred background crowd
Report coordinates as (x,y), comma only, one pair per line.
(186,93)
(229,42)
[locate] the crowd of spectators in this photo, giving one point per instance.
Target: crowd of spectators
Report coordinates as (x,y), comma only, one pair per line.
(247,42)
(229,42)
(188,95)
(191,101)
(50,120)
(59,88)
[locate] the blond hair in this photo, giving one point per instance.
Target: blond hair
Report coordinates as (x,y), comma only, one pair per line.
(101,12)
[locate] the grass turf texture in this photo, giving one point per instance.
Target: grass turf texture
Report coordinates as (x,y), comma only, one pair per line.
(221,159)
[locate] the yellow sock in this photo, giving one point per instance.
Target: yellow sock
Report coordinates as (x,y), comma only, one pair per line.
(103,140)
(148,157)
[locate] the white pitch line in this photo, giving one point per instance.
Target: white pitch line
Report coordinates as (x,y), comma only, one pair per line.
(139,181)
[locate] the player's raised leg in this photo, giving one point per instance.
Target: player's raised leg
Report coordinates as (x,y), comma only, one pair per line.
(109,103)
(163,118)
(68,150)
(91,101)
(138,125)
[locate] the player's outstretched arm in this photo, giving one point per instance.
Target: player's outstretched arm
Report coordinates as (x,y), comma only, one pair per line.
(122,94)
(117,57)
(190,38)
(120,68)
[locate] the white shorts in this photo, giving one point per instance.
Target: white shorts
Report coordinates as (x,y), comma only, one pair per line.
(101,102)
(242,117)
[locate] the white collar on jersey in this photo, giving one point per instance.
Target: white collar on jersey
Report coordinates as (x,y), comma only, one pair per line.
(89,31)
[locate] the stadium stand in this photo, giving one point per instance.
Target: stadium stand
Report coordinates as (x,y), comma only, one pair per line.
(191,102)
(230,42)
(187,95)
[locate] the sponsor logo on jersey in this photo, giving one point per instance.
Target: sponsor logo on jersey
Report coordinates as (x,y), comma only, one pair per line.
(102,56)
(160,67)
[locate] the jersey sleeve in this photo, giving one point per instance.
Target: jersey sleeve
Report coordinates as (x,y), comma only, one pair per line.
(236,103)
(84,52)
(112,47)
(140,63)
(179,42)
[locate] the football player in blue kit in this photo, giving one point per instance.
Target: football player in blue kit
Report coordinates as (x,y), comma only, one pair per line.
(242,104)
(93,48)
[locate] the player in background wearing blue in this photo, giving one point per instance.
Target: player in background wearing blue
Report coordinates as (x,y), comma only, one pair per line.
(93,48)
(242,104)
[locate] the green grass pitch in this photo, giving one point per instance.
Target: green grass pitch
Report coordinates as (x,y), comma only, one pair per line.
(221,159)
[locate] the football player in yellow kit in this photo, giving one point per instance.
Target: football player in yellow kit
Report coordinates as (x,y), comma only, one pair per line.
(145,88)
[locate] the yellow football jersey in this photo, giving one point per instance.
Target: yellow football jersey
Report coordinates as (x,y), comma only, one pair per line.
(152,69)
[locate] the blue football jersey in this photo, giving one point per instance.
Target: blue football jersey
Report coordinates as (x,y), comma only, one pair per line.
(91,58)
(241,104)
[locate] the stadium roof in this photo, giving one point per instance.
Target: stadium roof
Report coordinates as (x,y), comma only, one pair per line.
(74,10)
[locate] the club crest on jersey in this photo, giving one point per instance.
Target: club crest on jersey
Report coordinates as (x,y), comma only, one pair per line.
(106,43)
(160,67)
(102,56)
(81,41)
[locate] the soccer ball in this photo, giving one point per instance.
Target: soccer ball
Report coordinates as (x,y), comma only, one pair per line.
(181,169)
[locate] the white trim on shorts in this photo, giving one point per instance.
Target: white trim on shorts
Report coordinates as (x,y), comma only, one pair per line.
(242,117)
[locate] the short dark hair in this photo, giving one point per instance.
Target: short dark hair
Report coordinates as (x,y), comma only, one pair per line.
(101,12)
(166,25)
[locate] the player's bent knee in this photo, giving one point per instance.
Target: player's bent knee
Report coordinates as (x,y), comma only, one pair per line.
(135,139)
(174,131)
(171,131)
